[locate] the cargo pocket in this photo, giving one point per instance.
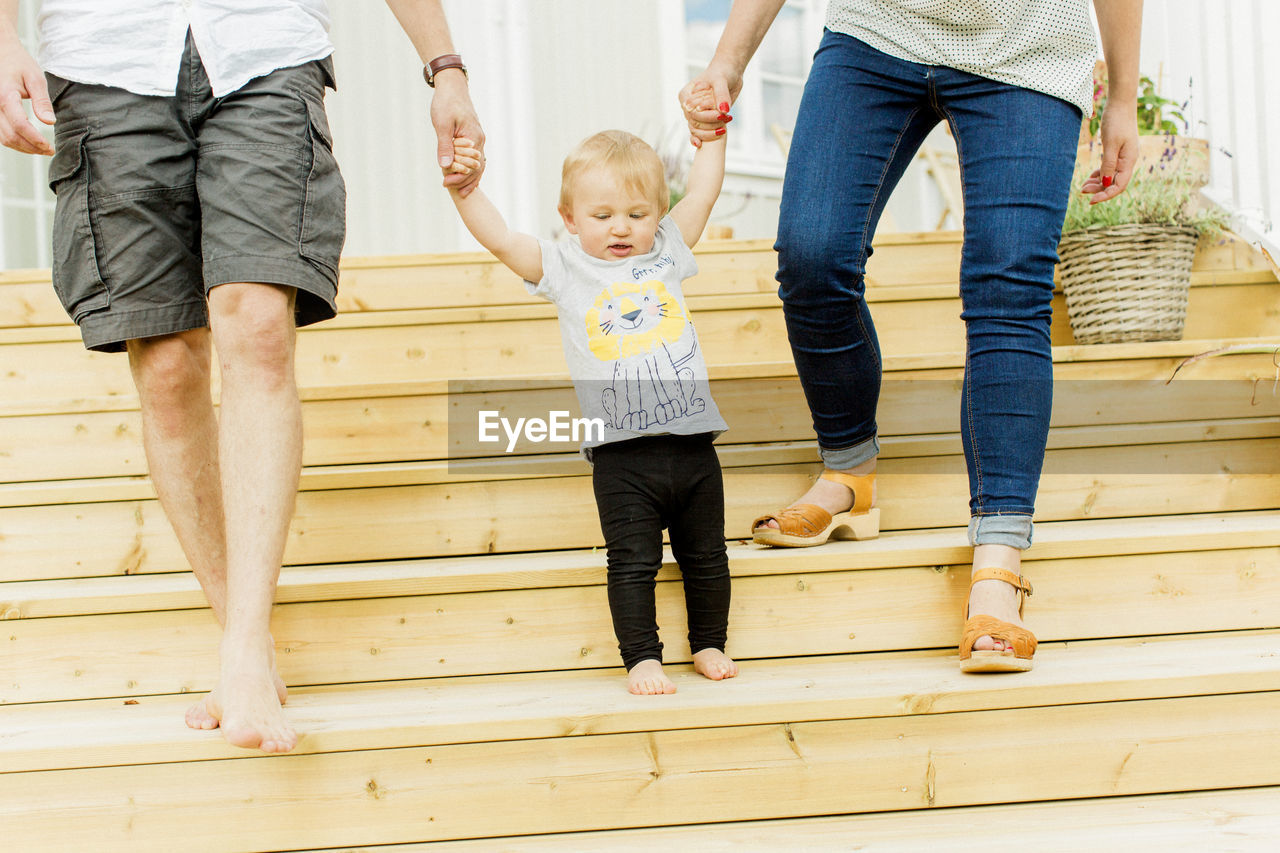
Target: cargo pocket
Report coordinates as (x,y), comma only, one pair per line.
(76,277)
(324,212)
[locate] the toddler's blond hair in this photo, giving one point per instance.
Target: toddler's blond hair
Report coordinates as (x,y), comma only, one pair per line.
(634,162)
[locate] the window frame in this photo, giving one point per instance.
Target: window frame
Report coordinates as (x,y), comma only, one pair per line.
(761,157)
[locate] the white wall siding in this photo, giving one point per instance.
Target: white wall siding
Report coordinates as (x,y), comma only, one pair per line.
(1214,54)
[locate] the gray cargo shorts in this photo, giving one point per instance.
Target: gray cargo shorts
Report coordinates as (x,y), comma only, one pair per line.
(162,198)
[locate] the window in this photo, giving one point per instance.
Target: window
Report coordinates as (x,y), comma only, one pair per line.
(26,205)
(774,80)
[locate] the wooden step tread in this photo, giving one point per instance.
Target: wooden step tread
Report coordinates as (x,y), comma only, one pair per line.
(58,378)
(464,518)
(569,704)
(1245,820)
(699,304)
(1130,447)
(445,575)
(901,264)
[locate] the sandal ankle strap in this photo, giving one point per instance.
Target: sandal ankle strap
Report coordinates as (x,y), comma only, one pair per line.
(862,487)
(1022,584)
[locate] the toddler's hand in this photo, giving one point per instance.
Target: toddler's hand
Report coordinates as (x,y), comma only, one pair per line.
(466,157)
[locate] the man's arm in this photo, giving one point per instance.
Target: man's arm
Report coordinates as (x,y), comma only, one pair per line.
(706,175)
(452,113)
(748,22)
(20,78)
(519,252)
(1120,24)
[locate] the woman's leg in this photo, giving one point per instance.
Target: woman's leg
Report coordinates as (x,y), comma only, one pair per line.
(862,118)
(1017,151)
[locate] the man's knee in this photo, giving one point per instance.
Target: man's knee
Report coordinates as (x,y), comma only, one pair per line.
(253,329)
(170,369)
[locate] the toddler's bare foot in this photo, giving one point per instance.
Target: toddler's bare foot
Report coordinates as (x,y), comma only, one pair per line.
(647,679)
(200,716)
(247,703)
(714,664)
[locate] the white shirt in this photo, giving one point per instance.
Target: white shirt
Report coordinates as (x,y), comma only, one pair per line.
(1045,45)
(137,44)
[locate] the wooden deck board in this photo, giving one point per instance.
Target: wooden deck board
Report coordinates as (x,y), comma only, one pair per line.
(1241,821)
(655,778)
(568,627)
(574,704)
(1058,540)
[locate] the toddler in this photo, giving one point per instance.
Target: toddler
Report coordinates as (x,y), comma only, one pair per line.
(633,355)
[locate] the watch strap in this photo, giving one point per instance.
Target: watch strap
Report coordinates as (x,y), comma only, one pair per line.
(441,63)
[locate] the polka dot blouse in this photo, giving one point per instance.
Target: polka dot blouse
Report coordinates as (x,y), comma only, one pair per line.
(1046,45)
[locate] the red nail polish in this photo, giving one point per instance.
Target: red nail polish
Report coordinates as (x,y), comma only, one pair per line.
(1106,181)
(719,131)
(724,106)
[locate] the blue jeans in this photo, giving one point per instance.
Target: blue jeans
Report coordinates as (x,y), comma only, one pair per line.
(862,118)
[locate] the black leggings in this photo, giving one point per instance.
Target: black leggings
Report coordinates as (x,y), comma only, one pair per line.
(643,485)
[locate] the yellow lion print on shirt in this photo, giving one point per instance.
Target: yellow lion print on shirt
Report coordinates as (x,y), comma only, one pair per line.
(634,325)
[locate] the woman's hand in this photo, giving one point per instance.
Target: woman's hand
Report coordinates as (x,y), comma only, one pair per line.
(1119,152)
(705,102)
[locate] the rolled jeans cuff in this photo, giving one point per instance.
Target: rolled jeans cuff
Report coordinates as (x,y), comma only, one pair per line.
(1012,530)
(850,457)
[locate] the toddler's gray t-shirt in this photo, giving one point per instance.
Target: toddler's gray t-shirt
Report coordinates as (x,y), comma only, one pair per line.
(630,345)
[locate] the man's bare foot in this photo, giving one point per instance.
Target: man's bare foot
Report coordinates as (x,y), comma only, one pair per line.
(647,679)
(714,664)
(831,496)
(199,715)
(247,703)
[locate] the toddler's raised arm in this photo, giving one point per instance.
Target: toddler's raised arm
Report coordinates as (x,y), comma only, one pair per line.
(519,252)
(706,176)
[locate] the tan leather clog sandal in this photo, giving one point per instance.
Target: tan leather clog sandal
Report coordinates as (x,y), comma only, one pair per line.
(806,525)
(1023,642)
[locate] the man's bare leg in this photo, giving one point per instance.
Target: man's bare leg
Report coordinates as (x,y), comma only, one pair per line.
(180,436)
(260,452)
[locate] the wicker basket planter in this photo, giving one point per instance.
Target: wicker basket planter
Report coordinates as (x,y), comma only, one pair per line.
(1127,282)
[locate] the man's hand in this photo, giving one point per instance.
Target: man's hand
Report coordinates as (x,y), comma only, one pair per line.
(454,117)
(20,79)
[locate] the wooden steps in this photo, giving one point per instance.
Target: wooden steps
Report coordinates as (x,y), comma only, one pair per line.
(1245,821)
(451,661)
(937,547)
(394,421)
(579,753)
(908,264)
(372,522)
(378,715)
(511,619)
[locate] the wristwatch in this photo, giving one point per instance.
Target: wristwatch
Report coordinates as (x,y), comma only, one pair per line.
(440,63)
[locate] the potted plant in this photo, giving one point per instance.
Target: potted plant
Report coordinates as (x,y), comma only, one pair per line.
(1125,265)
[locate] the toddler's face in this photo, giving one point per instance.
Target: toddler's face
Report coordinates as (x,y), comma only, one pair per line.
(611,221)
